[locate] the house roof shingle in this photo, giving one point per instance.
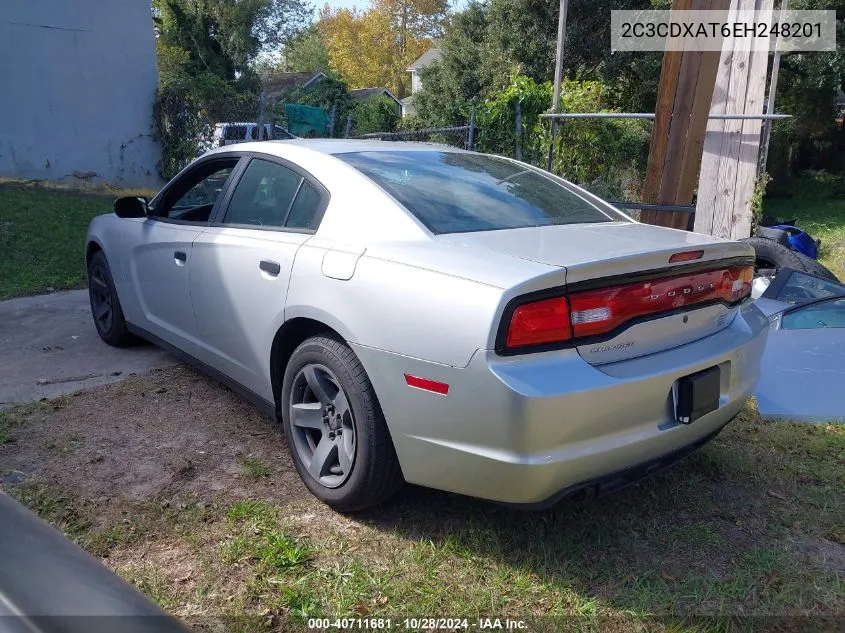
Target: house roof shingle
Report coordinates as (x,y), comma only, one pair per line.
(360,94)
(431,55)
(283,81)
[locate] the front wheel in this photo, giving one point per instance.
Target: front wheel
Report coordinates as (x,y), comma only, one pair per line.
(337,436)
(105,306)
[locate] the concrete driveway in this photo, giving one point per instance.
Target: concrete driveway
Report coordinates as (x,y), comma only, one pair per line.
(48,347)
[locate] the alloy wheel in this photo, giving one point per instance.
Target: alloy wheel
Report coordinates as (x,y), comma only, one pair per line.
(322,425)
(101,300)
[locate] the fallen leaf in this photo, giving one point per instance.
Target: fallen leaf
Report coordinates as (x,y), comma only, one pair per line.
(382,600)
(362,609)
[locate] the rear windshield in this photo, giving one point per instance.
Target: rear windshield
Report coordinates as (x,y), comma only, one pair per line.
(453,192)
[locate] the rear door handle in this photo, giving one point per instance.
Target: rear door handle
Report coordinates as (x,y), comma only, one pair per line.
(270,267)
(180,256)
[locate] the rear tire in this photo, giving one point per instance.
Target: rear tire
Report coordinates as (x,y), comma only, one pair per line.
(813,267)
(339,440)
(105,305)
(769,256)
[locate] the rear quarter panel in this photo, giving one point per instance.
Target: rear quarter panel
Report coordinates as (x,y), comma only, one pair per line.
(396,307)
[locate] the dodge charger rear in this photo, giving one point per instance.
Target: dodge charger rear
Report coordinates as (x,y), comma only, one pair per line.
(430,315)
(606,349)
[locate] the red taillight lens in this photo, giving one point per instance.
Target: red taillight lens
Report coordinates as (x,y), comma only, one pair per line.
(597,312)
(539,322)
(600,311)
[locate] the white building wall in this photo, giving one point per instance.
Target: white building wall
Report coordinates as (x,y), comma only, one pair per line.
(77,85)
(416,82)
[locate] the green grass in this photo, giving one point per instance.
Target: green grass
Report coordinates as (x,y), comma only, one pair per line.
(256,468)
(819,206)
(12,418)
(42,238)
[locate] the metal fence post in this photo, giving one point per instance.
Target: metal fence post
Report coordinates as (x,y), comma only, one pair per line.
(332,120)
(348,125)
(518,130)
(471,130)
(261,116)
(551,156)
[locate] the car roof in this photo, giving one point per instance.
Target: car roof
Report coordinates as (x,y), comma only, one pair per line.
(339,146)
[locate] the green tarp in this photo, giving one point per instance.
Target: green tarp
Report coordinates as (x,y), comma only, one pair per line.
(306,121)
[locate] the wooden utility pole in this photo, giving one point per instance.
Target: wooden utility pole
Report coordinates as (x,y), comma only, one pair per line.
(687,80)
(732,147)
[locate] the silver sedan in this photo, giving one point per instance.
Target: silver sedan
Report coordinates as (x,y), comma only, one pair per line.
(451,319)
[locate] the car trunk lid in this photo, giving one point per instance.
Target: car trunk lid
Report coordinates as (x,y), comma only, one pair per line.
(626,268)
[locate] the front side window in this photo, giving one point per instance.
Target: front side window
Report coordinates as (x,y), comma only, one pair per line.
(800,287)
(271,195)
(455,192)
(192,197)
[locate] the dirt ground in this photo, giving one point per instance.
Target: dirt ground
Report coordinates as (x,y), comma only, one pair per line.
(179,433)
(187,491)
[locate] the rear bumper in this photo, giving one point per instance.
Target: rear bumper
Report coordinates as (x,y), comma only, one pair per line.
(612,482)
(527,430)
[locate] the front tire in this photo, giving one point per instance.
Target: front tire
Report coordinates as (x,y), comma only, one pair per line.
(336,433)
(105,306)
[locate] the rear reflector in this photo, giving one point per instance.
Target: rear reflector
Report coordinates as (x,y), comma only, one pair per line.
(540,322)
(686,257)
(597,312)
(600,311)
(428,385)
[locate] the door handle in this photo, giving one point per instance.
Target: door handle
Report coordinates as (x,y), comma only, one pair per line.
(270,267)
(180,257)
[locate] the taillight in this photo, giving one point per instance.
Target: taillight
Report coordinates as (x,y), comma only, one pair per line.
(539,322)
(597,312)
(600,311)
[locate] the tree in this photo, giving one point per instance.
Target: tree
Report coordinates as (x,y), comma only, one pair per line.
(375,47)
(469,69)
(205,53)
(306,52)
(376,114)
(327,94)
(489,41)
(222,37)
(807,88)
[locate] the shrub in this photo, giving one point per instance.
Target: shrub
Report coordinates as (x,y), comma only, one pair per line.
(608,156)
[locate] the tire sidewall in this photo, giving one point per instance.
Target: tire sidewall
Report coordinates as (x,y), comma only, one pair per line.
(313,351)
(117,330)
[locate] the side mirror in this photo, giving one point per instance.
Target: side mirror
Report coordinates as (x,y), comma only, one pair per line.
(131,207)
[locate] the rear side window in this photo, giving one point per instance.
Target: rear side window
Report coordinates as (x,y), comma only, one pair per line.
(303,213)
(264,195)
(454,192)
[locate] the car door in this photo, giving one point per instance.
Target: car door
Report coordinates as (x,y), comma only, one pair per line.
(159,248)
(803,366)
(242,265)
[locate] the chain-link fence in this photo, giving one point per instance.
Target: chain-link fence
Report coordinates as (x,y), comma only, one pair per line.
(459,136)
(605,156)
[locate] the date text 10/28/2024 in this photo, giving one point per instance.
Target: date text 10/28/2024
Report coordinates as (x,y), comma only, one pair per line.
(417,624)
